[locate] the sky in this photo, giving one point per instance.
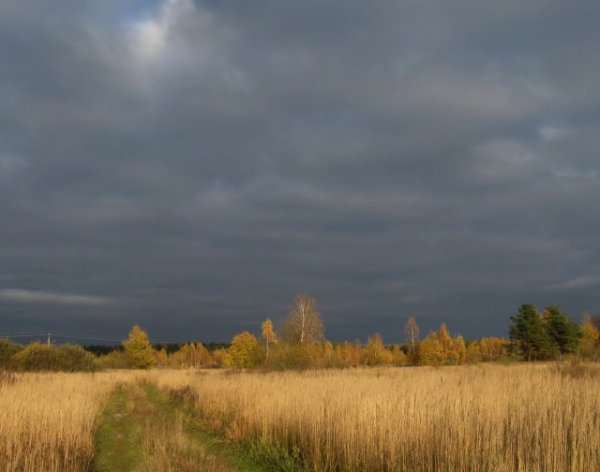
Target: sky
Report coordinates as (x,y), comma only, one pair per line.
(192,165)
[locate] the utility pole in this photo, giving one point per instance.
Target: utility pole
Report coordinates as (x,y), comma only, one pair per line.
(48,338)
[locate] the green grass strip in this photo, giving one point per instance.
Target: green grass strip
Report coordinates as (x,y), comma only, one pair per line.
(118,436)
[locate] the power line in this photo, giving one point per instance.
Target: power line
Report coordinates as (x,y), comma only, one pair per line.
(86,336)
(105,338)
(22,335)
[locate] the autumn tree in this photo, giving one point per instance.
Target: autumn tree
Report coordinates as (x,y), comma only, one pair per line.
(191,355)
(445,340)
(399,356)
(244,351)
(138,348)
(375,352)
(439,348)
(589,343)
(492,348)
(473,352)
(162,357)
(431,351)
(218,356)
(304,323)
(268,334)
(411,331)
(459,349)
(330,356)
(348,353)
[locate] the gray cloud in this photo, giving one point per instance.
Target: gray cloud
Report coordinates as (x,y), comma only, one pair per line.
(30,296)
(203,161)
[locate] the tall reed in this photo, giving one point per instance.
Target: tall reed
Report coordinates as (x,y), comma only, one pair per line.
(488,417)
(47,421)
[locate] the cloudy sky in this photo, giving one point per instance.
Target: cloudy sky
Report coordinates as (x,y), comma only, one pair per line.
(192,165)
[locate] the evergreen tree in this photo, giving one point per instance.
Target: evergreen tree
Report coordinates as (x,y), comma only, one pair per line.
(563,332)
(528,335)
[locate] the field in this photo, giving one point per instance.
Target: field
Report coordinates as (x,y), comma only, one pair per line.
(47,421)
(543,417)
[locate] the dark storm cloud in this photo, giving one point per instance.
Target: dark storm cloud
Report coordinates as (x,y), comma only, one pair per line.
(194,164)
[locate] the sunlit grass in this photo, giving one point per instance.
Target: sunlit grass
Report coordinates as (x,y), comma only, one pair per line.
(488,417)
(47,421)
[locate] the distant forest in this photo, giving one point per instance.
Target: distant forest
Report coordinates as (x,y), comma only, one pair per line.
(534,335)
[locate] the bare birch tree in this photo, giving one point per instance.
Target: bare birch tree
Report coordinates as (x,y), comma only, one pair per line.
(412,334)
(304,323)
(268,333)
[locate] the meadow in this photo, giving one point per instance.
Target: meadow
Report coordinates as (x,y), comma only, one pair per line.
(518,417)
(469,418)
(47,420)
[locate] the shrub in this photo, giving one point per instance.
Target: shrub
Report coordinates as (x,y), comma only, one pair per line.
(41,357)
(35,357)
(74,358)
(292,356)
(7,350)
(116,359)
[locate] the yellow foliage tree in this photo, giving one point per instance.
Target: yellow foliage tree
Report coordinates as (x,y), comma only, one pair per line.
(589,343)
(218,357)
(244,351)
(375,352)
(493,348)
(431,351)
(138,349)
(398,356)
(268,333)
(348,353)
(460,349)
(162,358)
(445,339)
(473,352)
(191,355)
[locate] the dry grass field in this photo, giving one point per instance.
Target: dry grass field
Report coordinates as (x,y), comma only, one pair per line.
(474,418)
(47,421)
(487,417)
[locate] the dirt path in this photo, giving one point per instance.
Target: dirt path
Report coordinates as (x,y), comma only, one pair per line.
(143,430)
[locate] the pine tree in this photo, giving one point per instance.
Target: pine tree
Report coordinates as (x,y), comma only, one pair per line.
(528,335)
(563,332)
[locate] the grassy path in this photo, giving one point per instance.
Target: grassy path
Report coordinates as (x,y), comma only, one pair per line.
(118,438)
(142,429)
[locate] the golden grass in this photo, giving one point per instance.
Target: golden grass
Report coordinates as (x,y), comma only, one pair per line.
(476,418)
(47,421)
(166,446)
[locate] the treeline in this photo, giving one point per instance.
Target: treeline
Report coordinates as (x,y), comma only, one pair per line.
(301,344)
(546,335)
